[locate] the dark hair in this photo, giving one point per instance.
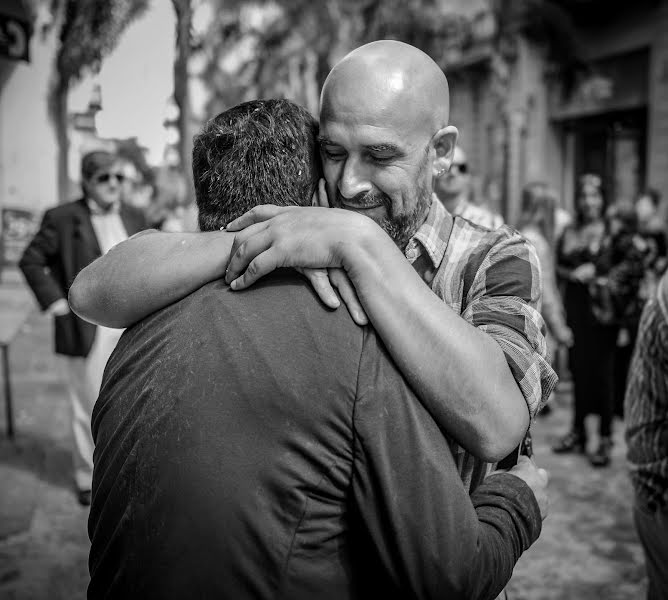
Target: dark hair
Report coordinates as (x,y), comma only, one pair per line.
(591,180)
(259,152)
(653,194)
(96,161)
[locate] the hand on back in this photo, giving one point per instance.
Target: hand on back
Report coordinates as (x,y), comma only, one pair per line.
(309,239)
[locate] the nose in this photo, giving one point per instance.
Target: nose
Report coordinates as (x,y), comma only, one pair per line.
(354,179)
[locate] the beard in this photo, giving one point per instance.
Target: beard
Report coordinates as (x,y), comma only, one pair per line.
(399,227)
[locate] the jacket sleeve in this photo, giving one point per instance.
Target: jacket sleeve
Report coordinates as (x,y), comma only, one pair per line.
(37,261)
(432,538)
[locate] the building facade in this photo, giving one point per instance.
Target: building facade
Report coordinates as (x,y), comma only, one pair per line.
(528,112)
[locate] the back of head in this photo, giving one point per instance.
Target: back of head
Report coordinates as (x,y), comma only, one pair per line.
(259,152)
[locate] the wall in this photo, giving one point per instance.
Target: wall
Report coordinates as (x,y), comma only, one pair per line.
(27,141)
(657,171)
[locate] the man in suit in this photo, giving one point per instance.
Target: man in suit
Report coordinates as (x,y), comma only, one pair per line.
(72,236)
(258,445)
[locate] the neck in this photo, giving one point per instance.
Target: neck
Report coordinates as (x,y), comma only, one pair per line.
(451,202)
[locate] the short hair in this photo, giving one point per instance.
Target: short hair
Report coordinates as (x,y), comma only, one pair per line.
(96,161)
(258,152)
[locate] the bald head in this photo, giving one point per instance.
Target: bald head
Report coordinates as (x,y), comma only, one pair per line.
(384,134)
(394,80)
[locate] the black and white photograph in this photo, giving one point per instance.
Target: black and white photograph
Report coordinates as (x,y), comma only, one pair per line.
(334,299)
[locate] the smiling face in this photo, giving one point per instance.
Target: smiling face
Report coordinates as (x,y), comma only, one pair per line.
(379,140)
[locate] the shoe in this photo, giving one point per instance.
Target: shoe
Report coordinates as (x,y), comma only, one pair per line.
(573,441)
(601,458)
(84,497)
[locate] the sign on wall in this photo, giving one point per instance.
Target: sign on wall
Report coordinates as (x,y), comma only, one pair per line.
(18,228)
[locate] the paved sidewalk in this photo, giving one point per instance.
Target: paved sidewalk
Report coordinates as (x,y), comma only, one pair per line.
(588,548)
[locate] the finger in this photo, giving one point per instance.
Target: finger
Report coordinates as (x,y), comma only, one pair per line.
(240,237)
(322,194)
(319,280)
(245,253)
(255,215)
(348,294)
(264,263)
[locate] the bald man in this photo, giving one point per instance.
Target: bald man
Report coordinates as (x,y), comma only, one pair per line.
(455,304)
(454,189)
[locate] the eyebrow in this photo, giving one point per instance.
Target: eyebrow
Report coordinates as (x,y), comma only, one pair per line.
(386,147)
(382,147)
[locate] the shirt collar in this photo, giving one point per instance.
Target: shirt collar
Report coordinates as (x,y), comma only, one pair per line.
(432,236)
(96,209)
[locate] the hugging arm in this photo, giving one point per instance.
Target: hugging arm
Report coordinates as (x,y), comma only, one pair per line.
(429,534)
(477,374)
(149,271)
(153,269)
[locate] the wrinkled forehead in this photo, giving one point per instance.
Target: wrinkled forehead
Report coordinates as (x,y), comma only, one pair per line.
(381,107)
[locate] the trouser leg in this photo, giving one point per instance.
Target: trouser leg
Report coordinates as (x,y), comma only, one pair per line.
(80,412)
(85,380)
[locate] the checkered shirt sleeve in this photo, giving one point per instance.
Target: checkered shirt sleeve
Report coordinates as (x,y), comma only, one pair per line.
(500,294)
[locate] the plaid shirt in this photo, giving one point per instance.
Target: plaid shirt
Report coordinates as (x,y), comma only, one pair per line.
(646,403)
(493,280)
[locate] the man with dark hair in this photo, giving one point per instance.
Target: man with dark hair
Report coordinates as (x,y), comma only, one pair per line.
(72,236)
(254,136)
(256,445)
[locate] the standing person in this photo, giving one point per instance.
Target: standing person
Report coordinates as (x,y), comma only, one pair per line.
(450,299)
(646,419)
(653,229)
(72,236)
(625,257)
(591,358)
(219,474)
(453,189)
(536,224)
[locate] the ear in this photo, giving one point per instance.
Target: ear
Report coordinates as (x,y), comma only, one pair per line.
(444,142)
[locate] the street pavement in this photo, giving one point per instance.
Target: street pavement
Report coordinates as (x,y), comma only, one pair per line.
(587,550)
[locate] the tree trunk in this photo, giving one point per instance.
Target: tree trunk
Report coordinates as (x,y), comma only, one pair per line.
(59,119)
(183,10)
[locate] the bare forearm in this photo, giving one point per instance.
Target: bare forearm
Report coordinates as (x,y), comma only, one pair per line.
(146,273)
(458,371)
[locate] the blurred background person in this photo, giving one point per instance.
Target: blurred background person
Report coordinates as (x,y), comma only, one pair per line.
(591,357)
(70,237)
(646,410)
(624,258)
(652,227)
(537,224)
(453,189)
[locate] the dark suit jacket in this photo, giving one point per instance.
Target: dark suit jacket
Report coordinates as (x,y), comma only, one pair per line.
(65,244)
(256,445)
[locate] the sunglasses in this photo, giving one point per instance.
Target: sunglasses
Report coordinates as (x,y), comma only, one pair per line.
(459,167)
(106,177)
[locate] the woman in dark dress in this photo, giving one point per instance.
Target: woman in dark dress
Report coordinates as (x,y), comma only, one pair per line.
(591,357)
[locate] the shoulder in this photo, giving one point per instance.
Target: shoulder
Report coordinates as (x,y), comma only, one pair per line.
(66,210)
(478,243)
(63,214)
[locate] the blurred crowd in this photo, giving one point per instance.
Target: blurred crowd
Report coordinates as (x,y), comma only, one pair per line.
(601,263)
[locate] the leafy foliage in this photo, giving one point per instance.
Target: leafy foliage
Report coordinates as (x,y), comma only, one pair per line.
(89,31)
